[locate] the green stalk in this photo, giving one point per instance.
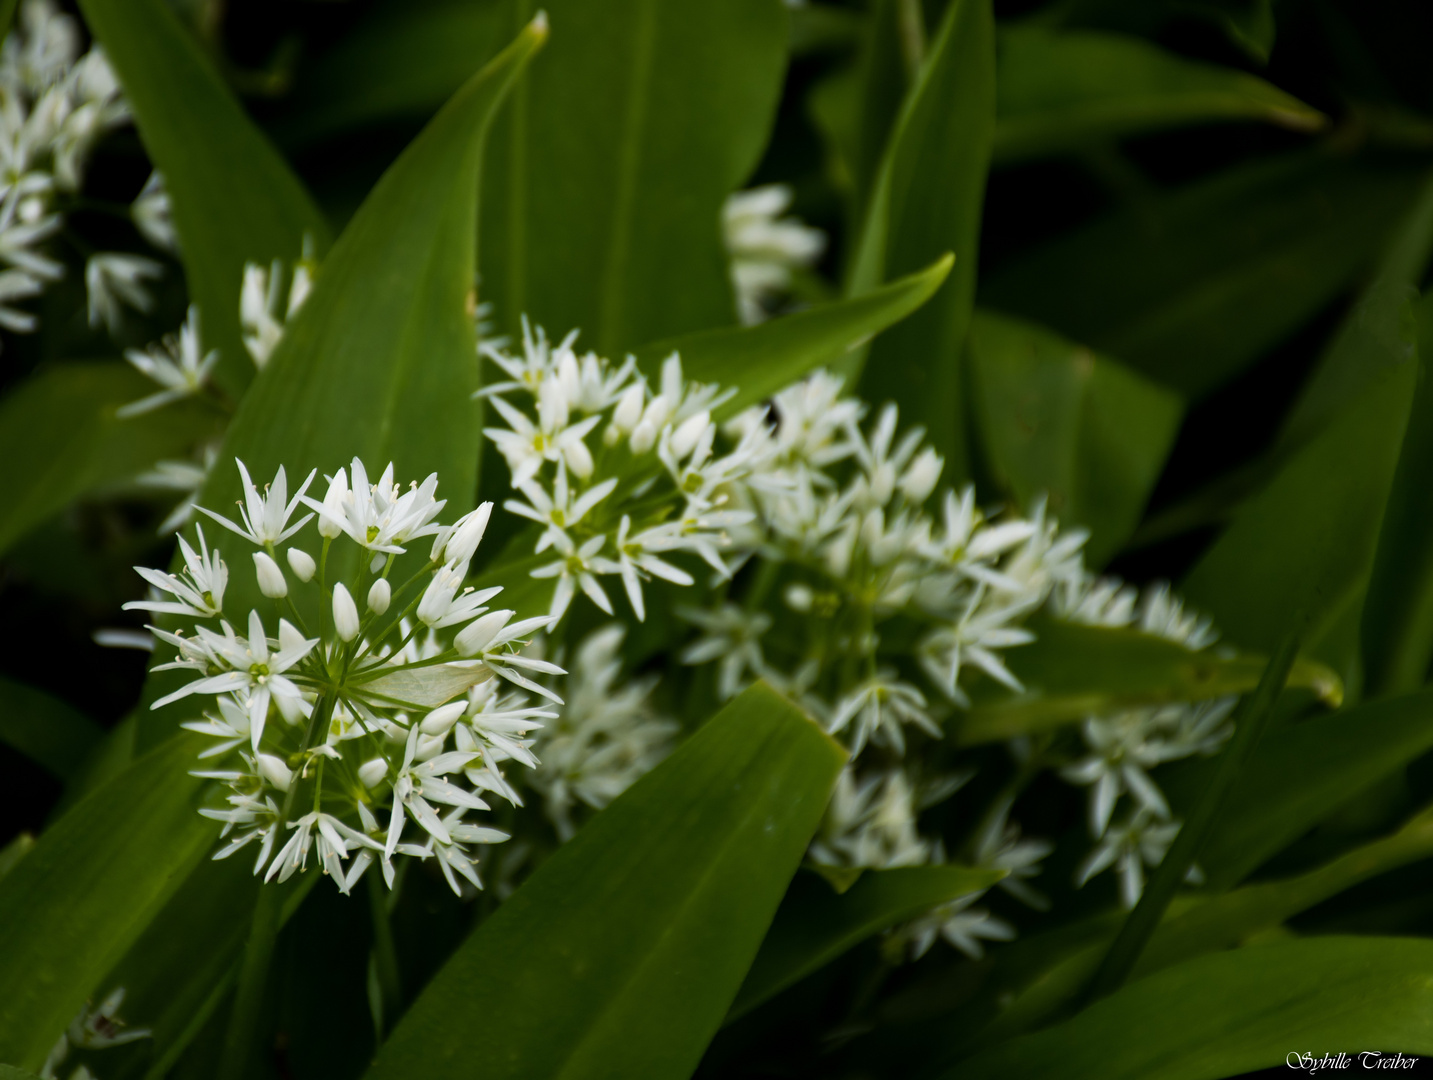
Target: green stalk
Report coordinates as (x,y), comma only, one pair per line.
(385,955)
(1250,719)
(243,1030)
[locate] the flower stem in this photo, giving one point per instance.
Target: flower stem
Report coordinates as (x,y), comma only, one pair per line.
(385,956)
(244,1020)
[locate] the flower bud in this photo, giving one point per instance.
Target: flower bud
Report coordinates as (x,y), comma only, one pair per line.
(379,596)
(333,515)
(478,634)
(271,578)
(372,772)
(922,476)
(274,770)
(345,614)
(579,459)
(644,437)
(629,407)
(467,534)
(441,720)
(302,564)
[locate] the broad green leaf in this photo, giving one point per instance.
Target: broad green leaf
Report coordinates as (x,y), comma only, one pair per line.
(44,728)
(1398,616)
(927,201)
(75,903)
(1306,542)
(380,362)
(1238,1011)
(60,435)
(1058,92)
(815,924)
(1192,286)
(1195,924)
(234,198)
(678,880)
(610,169)
(1056,419)
(399,61)
(1071,671)
(1304,772)
(759,360)
(9,1072)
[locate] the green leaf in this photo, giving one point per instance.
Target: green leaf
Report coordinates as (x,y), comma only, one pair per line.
(759,360)
(380,362)
(1057,419)
(815,924)
(610,170)
(927,201)
(1071,671)
(1059,92)
(1306,542)
(678,880)
(9,1072)
(59,433)
(399,61)
(76,902)
(1237,1012)
(234,198)
(44,728)
(1304,772)
(1191,286)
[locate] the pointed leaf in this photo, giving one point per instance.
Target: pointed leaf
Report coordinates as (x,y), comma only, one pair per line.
(815,924)
(1237,1012)
(927,201)
(1071,671)
(1062,91)
(234,198)
(75,903)
(610,170)
(1306,542)
(622,953)
(1056,419)
(759,360)
(1191,286)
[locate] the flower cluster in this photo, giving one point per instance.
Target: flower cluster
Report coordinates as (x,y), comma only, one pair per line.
(55,104)
(372,721)
(766,250)
(92,1029)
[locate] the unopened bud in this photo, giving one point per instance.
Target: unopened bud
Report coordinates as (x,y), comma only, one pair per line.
(345,614)
(379,596)
(302,564)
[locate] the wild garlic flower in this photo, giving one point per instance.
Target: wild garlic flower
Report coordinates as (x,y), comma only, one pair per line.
(765,248)
(92,1029)
(351,719)
(607,737)
(263,306)
(114,281)
(153,214)
(1142,840)
(179,364)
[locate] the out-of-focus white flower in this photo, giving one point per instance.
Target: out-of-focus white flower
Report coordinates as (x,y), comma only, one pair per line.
(153,215)
(1141,841)
(765,248)
(114,280)
(178,363)
(263,307)
(96,1028)
(871,824)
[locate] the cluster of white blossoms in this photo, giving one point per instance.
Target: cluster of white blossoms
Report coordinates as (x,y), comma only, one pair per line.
(361,717)
(55,104)
(868,606)
(765,249)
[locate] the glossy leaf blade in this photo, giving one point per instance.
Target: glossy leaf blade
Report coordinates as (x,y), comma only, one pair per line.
(1306,543)
(1238,1011)
(678,880)
(1192,286)
(44,728)
(927,201)
(815,924)
(59,432)
(759,360)
(1058,420)
(75,903)
(234,198)
(610,170)
(1061,91)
